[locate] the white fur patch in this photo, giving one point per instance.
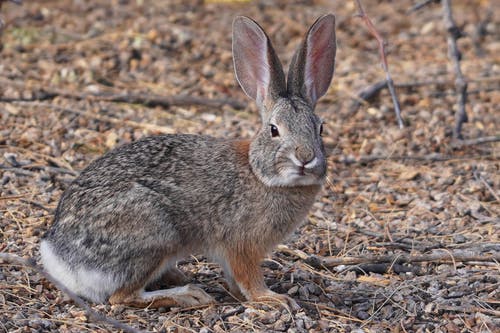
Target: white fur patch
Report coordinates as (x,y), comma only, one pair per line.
(295,160)
(290,177)
(312,164)
(93,285)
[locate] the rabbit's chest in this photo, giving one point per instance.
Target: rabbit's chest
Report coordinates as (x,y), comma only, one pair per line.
(276,216)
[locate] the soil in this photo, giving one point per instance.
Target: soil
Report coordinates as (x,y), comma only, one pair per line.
(414,191)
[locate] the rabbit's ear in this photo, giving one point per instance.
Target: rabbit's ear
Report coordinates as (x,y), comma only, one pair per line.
(258,69)
(311,69)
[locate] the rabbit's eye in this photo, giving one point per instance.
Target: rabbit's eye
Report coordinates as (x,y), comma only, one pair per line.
(321,130)
(274,131)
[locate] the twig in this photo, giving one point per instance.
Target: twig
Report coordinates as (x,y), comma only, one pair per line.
(151,127)
(449,256)
(439,94)
(383,268)
(468,309)
(478,177)
(237,311)
(420,5)
(293,252)
(97,316)
(149,100)
(454,33)
(385,66)
(366,95)
(372,91)
(38,205)
(477,141)
(18,171)
(426,158)
(25,170)
(168,101)
(379,308)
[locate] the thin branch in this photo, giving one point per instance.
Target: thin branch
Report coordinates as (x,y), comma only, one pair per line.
(131,123)
(477,141)
(149,100)
(382,52)
(372,91)
(446,257)
(468,309)
(427,158)
(454,33)
(478,176)
(38,205)
(97,316)
(168,101)
(420,5)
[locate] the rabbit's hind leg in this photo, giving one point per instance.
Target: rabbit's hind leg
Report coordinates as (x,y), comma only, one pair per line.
(184,296)
(171,276)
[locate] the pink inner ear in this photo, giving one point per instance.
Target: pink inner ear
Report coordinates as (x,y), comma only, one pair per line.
(252,68)
(319,60)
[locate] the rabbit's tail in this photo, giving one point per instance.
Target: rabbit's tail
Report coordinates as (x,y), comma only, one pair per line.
(91,284)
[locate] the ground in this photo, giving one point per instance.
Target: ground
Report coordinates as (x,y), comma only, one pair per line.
(390,191)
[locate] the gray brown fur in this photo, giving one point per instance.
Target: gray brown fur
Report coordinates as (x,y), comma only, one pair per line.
(133,212)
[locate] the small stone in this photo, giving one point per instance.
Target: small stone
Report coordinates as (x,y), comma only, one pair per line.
(279,325)
(300,324)
(429,308)
(304,292)
(460,239)
(363,315)
(207,71)
(293,290)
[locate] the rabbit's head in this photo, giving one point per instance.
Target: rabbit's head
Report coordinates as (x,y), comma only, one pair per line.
(287,150)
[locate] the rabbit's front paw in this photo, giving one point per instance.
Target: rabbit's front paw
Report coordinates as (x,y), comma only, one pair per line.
(271,296)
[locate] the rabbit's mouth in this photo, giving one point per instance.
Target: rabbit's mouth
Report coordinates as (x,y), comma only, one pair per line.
(313,168)
(302,177)
(296,175)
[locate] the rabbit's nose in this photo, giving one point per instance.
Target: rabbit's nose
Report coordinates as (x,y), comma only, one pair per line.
(304,155)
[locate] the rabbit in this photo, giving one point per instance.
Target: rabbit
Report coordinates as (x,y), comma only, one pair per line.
(122,224)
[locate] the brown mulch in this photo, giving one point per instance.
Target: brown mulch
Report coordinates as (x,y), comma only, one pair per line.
(390,192)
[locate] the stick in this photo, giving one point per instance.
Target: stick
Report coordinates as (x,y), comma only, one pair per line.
(420,5)
(39,205)
(97,316)
(468,309)
(385,66)
(149,100)
(150,127)
(477,141)
(478,176)
(372,91)
(449,256)
(454,33)
(168,101)
(427,158)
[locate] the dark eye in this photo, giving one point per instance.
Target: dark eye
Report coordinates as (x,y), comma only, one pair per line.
(321,130)
(274,131)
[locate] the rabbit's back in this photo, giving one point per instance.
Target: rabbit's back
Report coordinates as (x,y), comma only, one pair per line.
(148,190)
